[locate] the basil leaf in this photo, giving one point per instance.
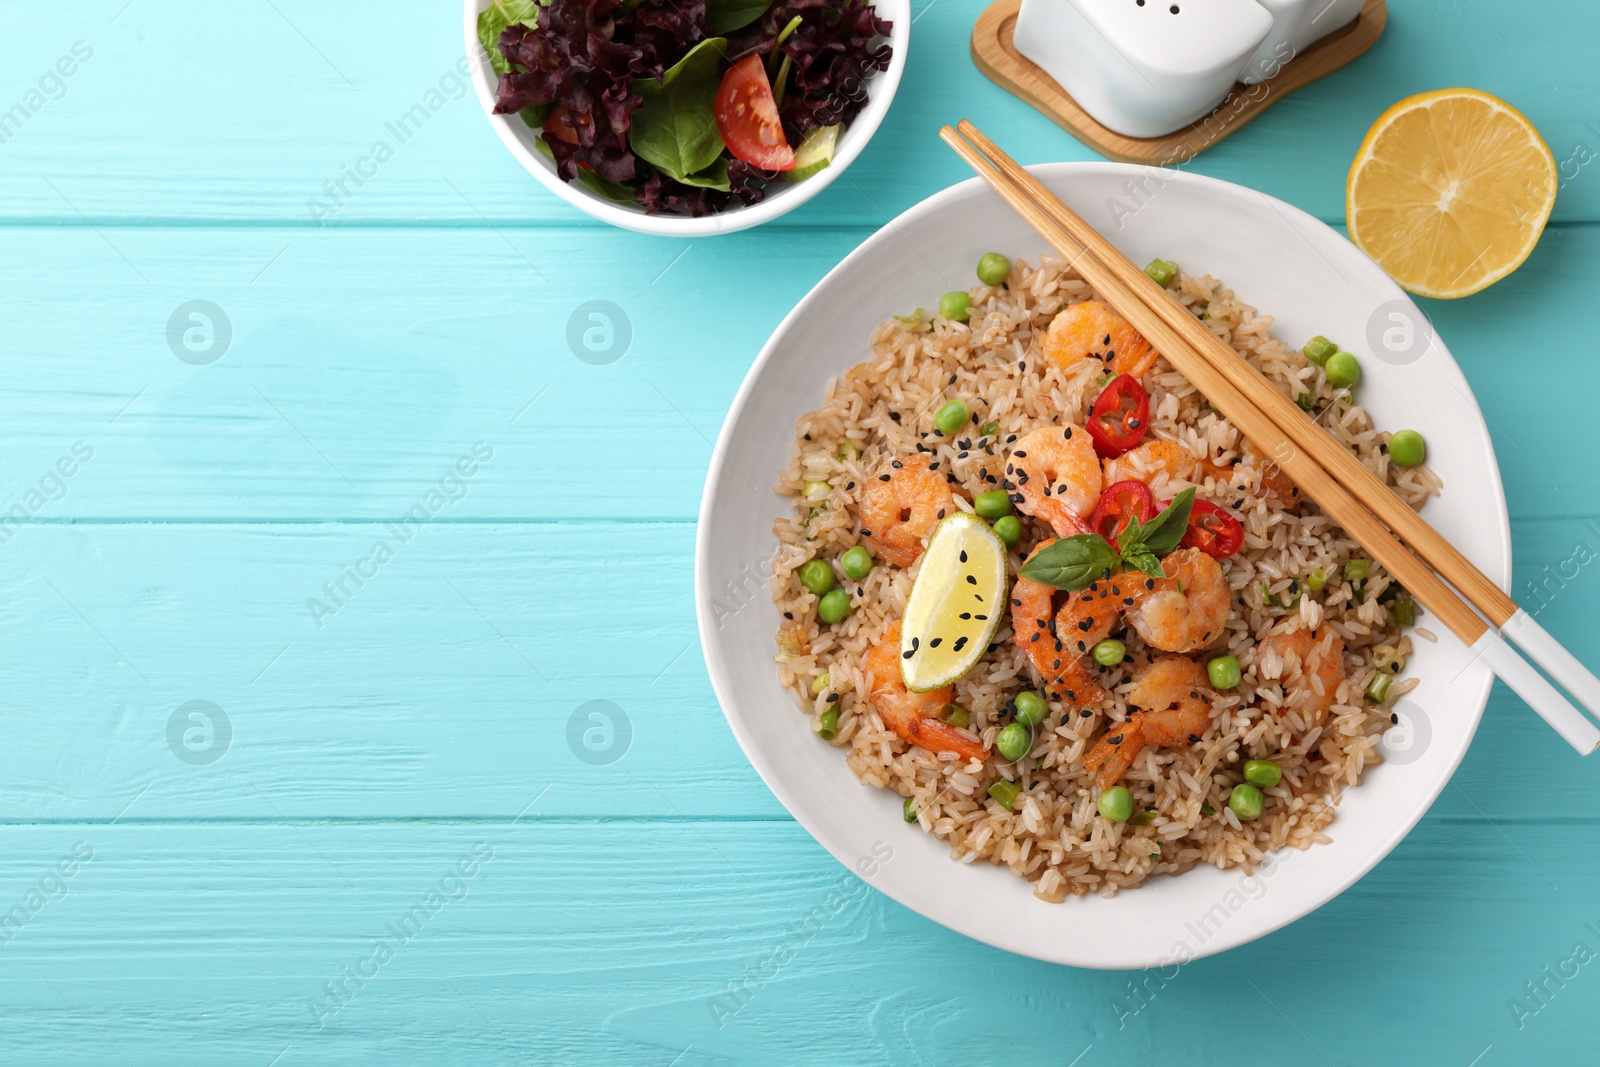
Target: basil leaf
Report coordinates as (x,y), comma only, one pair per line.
(713,177)
(1148,562)
(675,129)
(1072,562)
(725,16)
(498,17)
(1161,534)
(604,187)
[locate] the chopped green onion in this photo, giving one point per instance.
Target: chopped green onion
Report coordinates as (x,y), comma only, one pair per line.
(1142,818)
(1356,570)
(1318,349)
(828,724)
(1162,271)
(1403,611)
(1307,401)
(1316,579)
(956,715)
(907,812)
(989,429)
(849,450)
(819,683)
(1390,662)
(1006,793)
(1378,688)
(816,489)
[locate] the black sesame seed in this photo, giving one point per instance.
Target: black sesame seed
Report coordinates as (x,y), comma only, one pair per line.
(883,477)
(1020,454)
(941,513)
(1067,433)
(896,464)
(908,655)
(981,618)
(963,555)
(935,642)
(1114,740)
(952,380)
(895,415)
(788,615)
(960,643)
(1085,713)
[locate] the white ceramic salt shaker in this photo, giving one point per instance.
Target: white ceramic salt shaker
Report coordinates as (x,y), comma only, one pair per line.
(1145,68)
(1296,26)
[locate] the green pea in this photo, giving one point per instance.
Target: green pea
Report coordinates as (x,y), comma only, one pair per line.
(907,812)
(1162,271)
(856,563)
(994,269)
(1342,370)
(989,429)
(816,576)
(1116,803)
(1378,688)
(1407,449)
(1356,570)
(1318,349)
(992,505)
(1316,579)
(1006,793)
(1246,801)
(1014,741)
(848,450)
(1262,772)
(1008,528)
(952,417)
(834,607)
(828,724)
(1224,672)
(1030,708)
(955,305)
(956,715)
(1109,653)
(820,683)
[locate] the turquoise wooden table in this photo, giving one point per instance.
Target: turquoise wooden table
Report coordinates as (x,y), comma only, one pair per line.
(310,588)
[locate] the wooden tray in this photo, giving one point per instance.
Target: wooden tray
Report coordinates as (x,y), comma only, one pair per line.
(996,55)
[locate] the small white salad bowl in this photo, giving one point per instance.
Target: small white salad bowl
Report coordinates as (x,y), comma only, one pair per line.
(782,197)
(1277,258)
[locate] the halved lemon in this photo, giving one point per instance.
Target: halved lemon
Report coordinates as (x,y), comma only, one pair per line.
(1450,191)
(956,605)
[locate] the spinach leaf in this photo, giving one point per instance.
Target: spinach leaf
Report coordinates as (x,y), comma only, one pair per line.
(498,17)
(604,187)
(675,129)
(1161,534)
(1072,562)
(713,177)
(725,16)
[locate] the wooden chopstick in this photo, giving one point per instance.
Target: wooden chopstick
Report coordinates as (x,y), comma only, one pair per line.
(1302,465)
(1303,433)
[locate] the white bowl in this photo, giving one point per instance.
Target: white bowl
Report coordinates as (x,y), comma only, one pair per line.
(1276,257)
(782,197)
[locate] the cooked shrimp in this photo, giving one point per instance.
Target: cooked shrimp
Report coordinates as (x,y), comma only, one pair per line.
(1036,628)
(1057,633)
(1171,458)
(914,716)
(1187,609)
(1172,696)
(1093,329)
(900,507)
(1057,474)
(1311,665)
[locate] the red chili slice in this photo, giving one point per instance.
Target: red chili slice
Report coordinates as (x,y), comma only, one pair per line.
(1118,503)
(1213,531)
(1120,416)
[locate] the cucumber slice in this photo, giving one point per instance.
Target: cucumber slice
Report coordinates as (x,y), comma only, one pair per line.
(815,152)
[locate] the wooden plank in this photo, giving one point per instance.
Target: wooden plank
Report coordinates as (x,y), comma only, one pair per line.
(446,684)
(638,943)
(364,363)
(204,139)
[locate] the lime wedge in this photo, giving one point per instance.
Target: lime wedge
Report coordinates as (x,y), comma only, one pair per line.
(956,604)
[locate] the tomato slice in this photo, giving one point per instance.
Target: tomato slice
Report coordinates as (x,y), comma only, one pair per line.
(558,129)
(747,117)
(1213,531)
(1121,501)
(1120,416)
